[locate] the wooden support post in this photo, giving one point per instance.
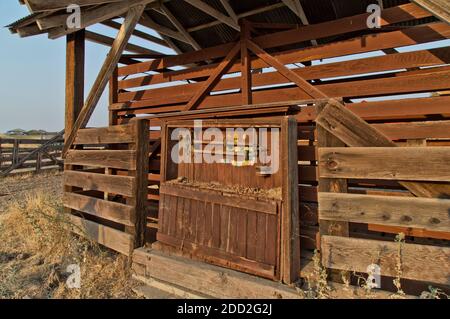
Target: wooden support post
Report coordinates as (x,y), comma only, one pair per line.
(113,96)
(75,61)
(15,153)
(330,185)
(139,200)
(246,66)
(38,162)
(290,229)
(105,74)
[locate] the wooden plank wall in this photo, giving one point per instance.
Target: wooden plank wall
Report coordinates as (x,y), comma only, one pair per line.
(106,189)
(375,204)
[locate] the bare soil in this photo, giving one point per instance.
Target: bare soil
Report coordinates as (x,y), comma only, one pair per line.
(14,188)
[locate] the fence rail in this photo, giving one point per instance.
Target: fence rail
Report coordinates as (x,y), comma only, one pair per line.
(31,154)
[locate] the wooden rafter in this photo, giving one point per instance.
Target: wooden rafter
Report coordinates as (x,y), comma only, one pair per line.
(180,27)
(137,33)
(214,78)
(97,15)
(289,74)
(45,5)
(148,22)
(105,40)
(296,7)
(439,8)
(246,67)
(214,13)
(229,9)
(105,74)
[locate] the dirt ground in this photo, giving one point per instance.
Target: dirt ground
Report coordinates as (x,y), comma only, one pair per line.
(38,249)
(15,188)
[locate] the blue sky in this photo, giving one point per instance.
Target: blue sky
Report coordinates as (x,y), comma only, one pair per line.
(33,77)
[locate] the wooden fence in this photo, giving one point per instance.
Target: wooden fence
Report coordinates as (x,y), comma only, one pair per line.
(405,168)
(32,155)
(106,185)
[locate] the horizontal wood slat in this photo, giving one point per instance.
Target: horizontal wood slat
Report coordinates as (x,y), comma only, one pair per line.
(400,163)
(107,236)
(268,207)
(415,130)
(419,262)
(121,185)
(116,212)
(106,135)
(105,158)
(305,33)
(398,61)
(418,108)
(430,214)
(353,89)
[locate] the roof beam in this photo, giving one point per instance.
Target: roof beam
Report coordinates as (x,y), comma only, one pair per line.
(230,11)
(439,8)
(180,27)
(137,33)
(296,7)
(239,16)
(97,15)
(214,13)
(105,73)
(105,40)
(148,22)
(45,5)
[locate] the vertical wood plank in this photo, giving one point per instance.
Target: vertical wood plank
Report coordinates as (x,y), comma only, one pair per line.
(251,235)
(326,139)
(74,96)
(246,68)
(139,201)
(290,232)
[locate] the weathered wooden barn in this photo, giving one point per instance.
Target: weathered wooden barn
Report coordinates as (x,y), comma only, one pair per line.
(361,108)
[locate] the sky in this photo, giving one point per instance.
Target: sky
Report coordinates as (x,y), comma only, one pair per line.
(32,80)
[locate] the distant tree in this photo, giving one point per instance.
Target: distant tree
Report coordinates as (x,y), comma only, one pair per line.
(37,132)
(17,131)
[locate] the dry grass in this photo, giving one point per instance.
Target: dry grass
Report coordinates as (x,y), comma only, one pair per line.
(36,246)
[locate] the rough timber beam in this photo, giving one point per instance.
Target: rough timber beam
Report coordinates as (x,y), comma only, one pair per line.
(137,33)
(355,132)
(289,74)
(105,40)
(45,5)
(214,13)
(214,78)
(105,74)
(296,7)
(226,4)
(439,8)
(97,15)
(180,27)
(148,22)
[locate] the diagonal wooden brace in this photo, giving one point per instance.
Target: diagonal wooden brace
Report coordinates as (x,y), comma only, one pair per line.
(105,73)
(354,131)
